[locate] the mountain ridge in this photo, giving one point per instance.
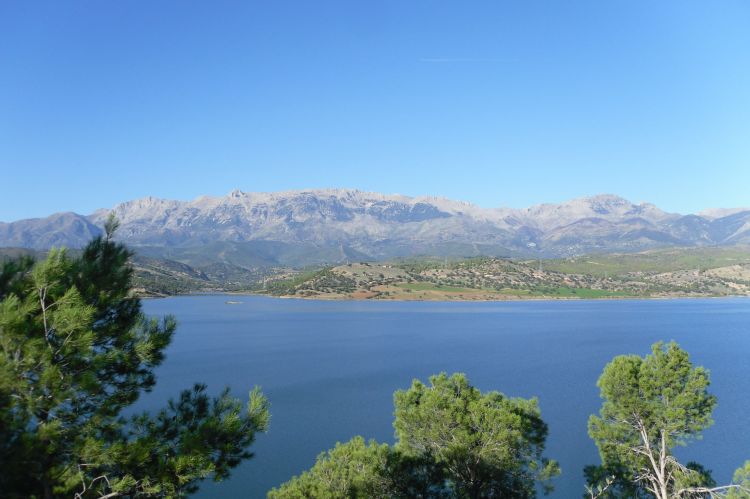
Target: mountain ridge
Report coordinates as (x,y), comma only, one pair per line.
(379,226)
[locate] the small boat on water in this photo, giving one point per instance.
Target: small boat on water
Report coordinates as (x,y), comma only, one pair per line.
(232,302)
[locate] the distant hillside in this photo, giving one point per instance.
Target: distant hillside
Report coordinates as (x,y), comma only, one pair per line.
(162,277)
(687,272)
(672,274)
(661,260)
(303,228)
(61,229)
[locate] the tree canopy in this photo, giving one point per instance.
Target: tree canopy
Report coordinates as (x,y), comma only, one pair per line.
(451,441)
(351,469)
(741,480)
(75,351)
(651,405)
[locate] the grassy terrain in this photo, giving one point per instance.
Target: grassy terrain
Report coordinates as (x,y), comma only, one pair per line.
(583,293)
(559,292)
(284,286)
(656,261)
(664,273)
(430,286)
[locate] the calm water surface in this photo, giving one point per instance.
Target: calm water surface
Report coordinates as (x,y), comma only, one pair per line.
(330,368)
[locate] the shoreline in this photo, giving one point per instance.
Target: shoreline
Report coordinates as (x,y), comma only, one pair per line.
(417,300)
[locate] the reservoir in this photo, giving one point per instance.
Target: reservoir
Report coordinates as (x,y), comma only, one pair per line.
(329,368)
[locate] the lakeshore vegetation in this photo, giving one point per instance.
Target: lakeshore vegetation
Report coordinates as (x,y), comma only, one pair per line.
(76,352)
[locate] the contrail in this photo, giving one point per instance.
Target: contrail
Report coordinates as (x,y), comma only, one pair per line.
(463,59)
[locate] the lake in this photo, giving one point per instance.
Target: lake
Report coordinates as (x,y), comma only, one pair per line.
(330,368)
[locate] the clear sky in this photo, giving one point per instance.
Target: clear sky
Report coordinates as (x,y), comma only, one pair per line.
(501,103)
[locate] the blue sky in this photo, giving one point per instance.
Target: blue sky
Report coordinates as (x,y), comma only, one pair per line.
(502,103)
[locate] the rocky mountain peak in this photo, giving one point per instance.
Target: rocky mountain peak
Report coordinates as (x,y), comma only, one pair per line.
(379,225)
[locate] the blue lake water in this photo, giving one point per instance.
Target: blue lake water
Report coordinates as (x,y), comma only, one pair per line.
(330,368)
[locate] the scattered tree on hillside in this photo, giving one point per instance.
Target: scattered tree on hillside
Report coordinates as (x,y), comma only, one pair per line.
(75,350)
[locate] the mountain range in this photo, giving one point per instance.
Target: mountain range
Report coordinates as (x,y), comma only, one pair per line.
(334,225)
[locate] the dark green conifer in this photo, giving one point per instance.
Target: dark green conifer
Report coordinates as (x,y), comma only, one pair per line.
(75,350)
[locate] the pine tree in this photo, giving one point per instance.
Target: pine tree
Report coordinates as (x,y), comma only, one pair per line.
(651,405)
(452,442)
(75,351)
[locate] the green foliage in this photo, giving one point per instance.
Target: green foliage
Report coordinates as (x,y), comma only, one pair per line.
(651,405)
(489,445)
(75,350)
(12,272)
(742,481)
(191,439)
(354,469)
(452,441)
(357,469)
